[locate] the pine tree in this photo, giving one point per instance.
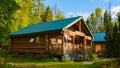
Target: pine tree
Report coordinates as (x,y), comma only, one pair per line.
(48,16)
(113,42)
(59,15)
(119,20)
(38,12)
(106,21)
(89,24)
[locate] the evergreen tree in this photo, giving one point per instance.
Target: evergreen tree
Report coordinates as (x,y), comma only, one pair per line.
(113,42)
(106,21)
(59,15)
(37,12)
(89,24)
(115,45)
(118,16)
(48,16)
(119,20)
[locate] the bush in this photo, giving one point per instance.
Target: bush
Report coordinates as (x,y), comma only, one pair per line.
(41,56)
(92,57)
(107,64)
(14,54)
(3,52)
(2,60)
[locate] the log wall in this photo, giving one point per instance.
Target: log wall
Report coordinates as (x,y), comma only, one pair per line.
(23,44)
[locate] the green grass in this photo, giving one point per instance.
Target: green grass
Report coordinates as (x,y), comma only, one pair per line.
(32,63)
(55,65)
(7,66)
(23,62)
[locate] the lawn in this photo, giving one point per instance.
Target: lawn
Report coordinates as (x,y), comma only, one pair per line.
(31,63)
(25,62)
(53,65)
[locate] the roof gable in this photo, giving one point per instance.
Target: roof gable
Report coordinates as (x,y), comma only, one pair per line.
(99,37)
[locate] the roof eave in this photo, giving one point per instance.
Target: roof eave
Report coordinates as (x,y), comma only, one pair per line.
(45,32)
(99,41)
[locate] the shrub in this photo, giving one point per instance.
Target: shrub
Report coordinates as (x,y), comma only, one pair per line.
(41,56)
(93,57)
(3,52)
(106,64)
(2,60)
(14,54)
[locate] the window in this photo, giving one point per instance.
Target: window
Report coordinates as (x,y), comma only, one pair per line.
(37,39)
(54,40)
(32,40)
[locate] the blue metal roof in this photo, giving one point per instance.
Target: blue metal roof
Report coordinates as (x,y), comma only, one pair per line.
(99,37)
(47,26)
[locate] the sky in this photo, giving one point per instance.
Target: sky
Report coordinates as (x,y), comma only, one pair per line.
(83,7)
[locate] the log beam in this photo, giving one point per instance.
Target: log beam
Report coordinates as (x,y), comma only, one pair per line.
(88,37)
(80,26)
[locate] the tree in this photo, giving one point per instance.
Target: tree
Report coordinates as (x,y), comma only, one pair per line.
(7,8)
(118,14)
(59,15)
(48,16)
(106,21)
(31,12)
(22,17)
(113,41)
(119,20)
(98,18)
(93,23)
(116,42)
(37,12)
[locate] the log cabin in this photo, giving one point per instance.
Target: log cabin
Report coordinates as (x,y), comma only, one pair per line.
(59,37)
(99,43)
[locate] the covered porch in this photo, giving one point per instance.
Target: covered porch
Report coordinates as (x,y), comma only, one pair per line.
(76,43)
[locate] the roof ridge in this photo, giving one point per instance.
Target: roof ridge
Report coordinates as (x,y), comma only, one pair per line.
(56,20)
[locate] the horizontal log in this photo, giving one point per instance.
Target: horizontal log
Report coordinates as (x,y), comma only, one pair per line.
(28,43)
(55,44)
(28,47)
(79,33)
(74,33)
(88,37)
(25,49)
(29,51)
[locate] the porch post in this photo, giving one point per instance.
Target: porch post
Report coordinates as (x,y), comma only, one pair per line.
(84,45)
(91,44)
(73,43)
